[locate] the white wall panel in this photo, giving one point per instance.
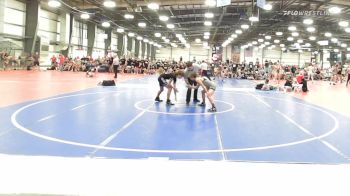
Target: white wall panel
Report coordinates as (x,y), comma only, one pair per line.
(13,16)
(13,29)
(169,53)
(15,5)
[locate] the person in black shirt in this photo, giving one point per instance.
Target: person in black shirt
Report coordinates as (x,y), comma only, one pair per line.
(168,81)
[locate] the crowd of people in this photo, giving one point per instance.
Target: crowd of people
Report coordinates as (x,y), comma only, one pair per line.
(273,71)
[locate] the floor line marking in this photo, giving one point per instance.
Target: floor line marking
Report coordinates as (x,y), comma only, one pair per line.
(219,138)
(330,146)
(115,134)
(260,100)
(81,106)
(46,118)
(93,146)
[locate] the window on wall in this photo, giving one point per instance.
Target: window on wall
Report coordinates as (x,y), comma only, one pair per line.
(79,37)
(14,22)
(48,25)
(100,37)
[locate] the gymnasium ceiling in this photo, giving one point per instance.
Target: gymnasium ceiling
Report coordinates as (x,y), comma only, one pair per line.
(188,18)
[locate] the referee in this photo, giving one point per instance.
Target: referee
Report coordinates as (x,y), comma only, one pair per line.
(191,85)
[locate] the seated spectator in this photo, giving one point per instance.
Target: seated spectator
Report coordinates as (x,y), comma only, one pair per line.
(300,77)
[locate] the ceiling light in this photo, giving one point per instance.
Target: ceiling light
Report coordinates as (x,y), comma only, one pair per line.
(178,35)
(170,26)
(282,45)
(230,39)
(308,21)
(146,40)
(153,6)
(120,30)
(260,40)
(206,36)
(254,42)
(205,44)
(290,39)
(336,50)
(300,50)
(334,10)
(163,18)
(334,40)
(131,34)
(151,42)
(347,30)
(142,24)
(312,38)
(206,33)
(209,15)
(327,34)
(139,38)
(343,45)
(109,3)
(343,23)
(268,7)
(348,49)
(292,28)
(84,16)
(238,31)
(267,43)
(253,19)
(106,24)
(267,37)
(250,45)
(307,44)
(283,49)
(167,40)
(295,34)
(210,3)
(245,26)
(54,3)
(198,40)
(300,41)
(279,33)
(188,45)
(158,34)
(311,29)
(208,23)
(129,16)
(234,35)
(276,41)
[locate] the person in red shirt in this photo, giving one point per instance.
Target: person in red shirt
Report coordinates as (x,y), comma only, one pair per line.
(300,78)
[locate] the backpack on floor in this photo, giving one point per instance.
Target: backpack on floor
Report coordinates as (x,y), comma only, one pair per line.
(259,86)
(304,87)
(108,83)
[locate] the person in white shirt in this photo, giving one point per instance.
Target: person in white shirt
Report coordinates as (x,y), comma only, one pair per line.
(204,69)
(310,72)
(115,66)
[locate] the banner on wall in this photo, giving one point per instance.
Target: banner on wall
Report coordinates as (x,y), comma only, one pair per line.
(236,54)
(217,52)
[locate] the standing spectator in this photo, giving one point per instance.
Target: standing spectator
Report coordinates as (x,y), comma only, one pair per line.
(36,58)
(204,69)
(348,73)
(115,66)
(53,60)
(310,72)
